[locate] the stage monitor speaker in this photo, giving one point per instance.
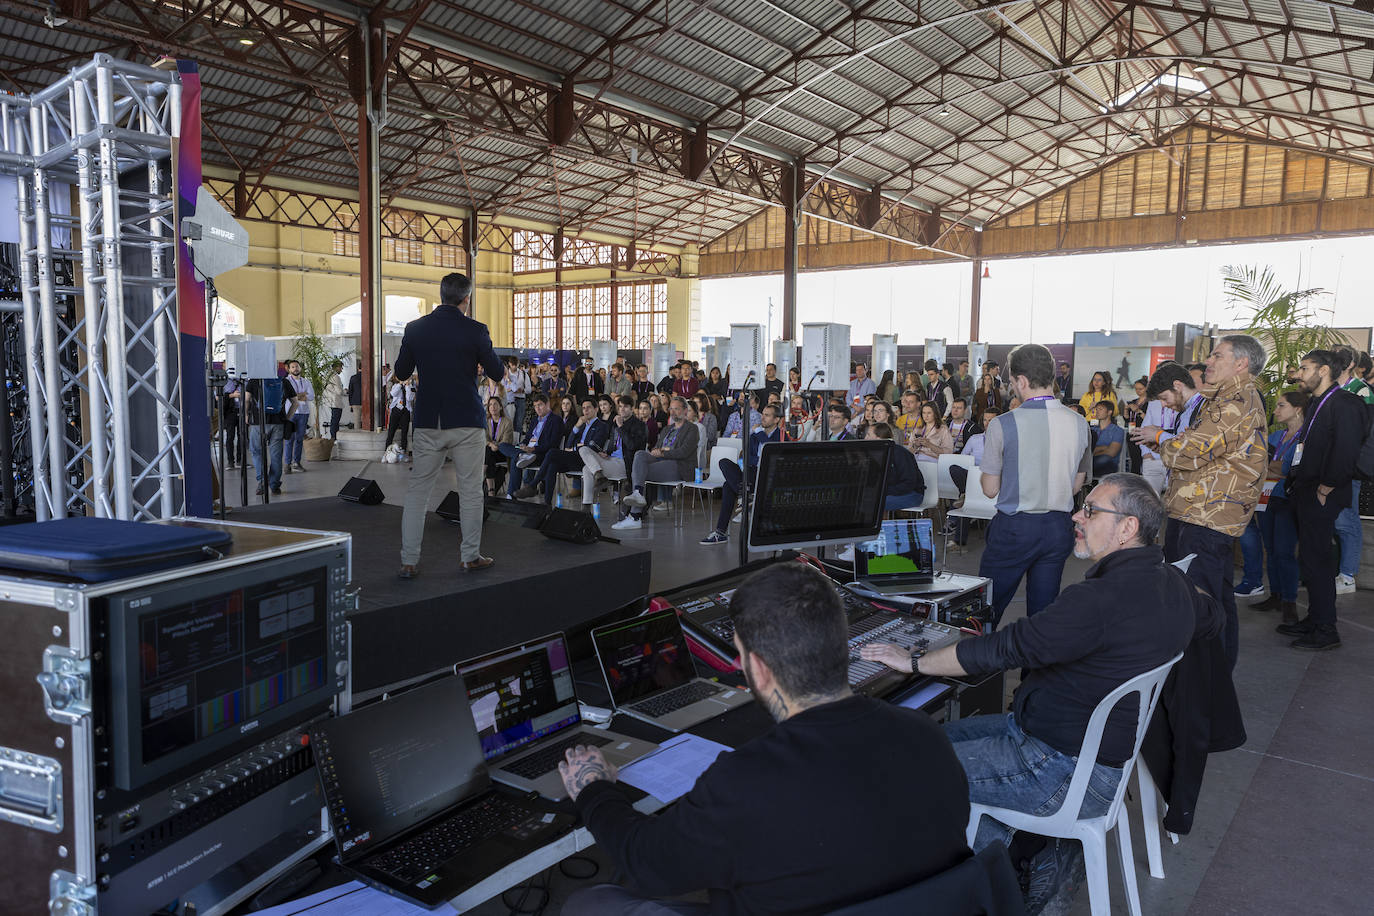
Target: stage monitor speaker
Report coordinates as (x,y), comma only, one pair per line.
(514,512)
(449,508)
(570,525)
(559,524)
(362,490)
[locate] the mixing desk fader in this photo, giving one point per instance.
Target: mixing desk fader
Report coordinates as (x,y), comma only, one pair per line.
(911,633)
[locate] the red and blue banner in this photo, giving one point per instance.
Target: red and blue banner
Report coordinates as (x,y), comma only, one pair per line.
(191,319)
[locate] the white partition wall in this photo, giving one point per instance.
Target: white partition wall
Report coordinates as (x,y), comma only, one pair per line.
(884,355)
(747,354)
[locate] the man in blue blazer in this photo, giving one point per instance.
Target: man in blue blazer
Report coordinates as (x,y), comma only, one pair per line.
(545,436)
(590,430)
(446,347)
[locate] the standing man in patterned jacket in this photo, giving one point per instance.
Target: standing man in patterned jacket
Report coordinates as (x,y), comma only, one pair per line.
(1216,471)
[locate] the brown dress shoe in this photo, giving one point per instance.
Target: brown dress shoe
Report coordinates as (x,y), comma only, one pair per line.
(479,563)
(407,571)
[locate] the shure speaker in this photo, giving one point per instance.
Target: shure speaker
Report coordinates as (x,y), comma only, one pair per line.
(362,490)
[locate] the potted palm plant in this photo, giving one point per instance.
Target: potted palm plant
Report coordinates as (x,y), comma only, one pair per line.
(1285,321)
(316,359)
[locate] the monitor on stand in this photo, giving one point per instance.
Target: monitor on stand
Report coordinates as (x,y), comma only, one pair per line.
(816,494)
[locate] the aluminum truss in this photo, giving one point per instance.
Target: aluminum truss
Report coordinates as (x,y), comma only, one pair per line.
(106,130)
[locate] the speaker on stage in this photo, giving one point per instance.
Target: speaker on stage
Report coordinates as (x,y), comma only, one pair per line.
(448,509)
(570,525)
(362,490)
(559,524)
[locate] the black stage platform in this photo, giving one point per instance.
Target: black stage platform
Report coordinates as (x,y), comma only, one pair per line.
(407,628)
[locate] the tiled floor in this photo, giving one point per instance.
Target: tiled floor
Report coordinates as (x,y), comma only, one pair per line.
(1283,823)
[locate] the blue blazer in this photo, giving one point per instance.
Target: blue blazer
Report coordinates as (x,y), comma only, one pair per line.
(597,434)
(550,437)
(447,347)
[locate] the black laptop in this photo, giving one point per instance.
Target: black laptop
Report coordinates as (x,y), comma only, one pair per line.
(410,801)
(525,707)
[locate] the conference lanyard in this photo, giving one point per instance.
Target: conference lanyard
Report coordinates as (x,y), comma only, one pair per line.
(1038,397)
(1285,443)
(1191,409)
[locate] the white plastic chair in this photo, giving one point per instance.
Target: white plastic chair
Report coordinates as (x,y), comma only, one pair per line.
(1152,811)
(713,480)
(947,488)
(976,503)
(929,472)
(1092,832)
(731,445)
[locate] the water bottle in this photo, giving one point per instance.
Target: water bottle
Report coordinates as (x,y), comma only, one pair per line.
(698,475)
(558,500)
(596,510)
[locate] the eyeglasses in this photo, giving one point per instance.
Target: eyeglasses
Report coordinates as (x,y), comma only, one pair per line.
(1089,509)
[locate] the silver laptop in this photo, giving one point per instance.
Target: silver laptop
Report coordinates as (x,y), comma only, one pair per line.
(900,560)
(525,707)
(650,674)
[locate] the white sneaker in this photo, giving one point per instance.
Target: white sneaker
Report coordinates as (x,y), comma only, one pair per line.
(1345,585)
(635,500)
(525,461)
(660,507)
(628,523)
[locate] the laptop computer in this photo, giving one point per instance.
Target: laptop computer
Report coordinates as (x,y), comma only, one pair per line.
(650,674)
(525,707)
(900,560)
(410,801)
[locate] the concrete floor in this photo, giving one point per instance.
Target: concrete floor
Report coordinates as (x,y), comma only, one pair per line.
(1282,824)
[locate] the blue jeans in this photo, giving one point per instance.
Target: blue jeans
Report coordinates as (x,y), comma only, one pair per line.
(516,477)
(1008,768)
(297,443)
(275,435)
(1280,533)
(902,501)
(1349,533)
(1033,546)
(1252,552)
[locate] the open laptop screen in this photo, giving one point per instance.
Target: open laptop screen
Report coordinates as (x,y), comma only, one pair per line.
(390,765)
(521,694)
(643,656)
(904,548)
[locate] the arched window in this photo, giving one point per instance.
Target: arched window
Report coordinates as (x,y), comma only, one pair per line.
(400,310)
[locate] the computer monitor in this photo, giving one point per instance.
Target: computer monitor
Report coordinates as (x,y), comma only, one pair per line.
(813,494)
(521,694)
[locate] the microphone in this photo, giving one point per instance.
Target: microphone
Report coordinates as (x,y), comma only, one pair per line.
(749,378)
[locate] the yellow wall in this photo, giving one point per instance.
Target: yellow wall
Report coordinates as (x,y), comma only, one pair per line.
(293,276)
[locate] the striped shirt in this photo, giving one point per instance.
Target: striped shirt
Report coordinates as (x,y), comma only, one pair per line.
(1037,449)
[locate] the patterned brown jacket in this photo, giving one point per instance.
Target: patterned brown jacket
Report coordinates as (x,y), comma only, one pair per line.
(1216,466)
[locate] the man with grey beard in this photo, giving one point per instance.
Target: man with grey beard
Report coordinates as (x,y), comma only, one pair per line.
(1131,613)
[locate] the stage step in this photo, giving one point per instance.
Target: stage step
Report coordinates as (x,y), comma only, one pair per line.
(359,445)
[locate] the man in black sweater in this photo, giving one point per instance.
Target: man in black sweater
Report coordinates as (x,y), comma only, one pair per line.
(1318,487)
(816,814)
(1131,613)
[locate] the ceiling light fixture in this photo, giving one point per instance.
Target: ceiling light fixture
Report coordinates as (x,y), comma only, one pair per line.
(246,41)
(944,111)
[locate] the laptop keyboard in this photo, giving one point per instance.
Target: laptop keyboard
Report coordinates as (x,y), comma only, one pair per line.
(546,759)
(425,853)
(675,699)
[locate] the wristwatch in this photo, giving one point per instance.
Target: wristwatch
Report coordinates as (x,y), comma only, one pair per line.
(916,654)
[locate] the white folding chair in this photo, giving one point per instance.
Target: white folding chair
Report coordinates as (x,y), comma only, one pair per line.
(713,480)
(1092,832)
(929,472)
(947,488)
